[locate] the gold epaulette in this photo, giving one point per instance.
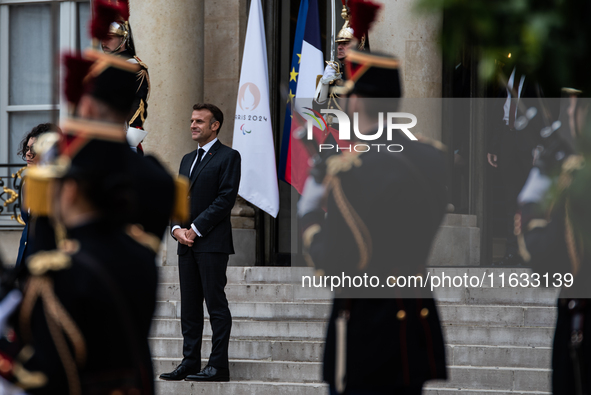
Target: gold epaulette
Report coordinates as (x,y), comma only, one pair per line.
(181,209)
(572,163)
(138,60)
(45,261)
(142,75)
(342,163)
(307,238)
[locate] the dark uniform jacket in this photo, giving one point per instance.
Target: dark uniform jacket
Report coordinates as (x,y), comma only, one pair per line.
(140,104)
(114,323)
(548,252)
(401,199)
(154,189)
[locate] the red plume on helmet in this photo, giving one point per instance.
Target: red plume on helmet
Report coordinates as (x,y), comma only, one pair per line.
(124,5)
(77,68)
(105,13)
(363,14)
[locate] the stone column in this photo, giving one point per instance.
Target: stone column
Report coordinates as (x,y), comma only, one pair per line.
(169,38)
(225,31)
(399,31)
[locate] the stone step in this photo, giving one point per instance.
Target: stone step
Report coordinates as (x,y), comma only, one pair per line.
(269,371)
(312,351)
(466,391)
(249,284)
(545,297)
(254,293)
(497,356)
(274,388)
(239,388)
(511,380)
(486,315)
(481,378)
(290,275)
(477,315)
(247,274)
(315,330)
(298,351)
(261,310)
(498,336)
(249,329)
(495,316)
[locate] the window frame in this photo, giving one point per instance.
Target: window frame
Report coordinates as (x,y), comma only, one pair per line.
(68,41)
(68,25)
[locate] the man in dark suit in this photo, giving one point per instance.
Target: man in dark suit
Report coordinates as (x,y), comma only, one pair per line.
(204,246)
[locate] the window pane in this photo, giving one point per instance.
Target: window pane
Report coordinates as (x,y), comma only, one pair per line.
(30,54)
(21,123)
(83,28)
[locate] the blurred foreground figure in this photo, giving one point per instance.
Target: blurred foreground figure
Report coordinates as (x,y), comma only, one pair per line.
(87,305)
(382,212)
(554,235)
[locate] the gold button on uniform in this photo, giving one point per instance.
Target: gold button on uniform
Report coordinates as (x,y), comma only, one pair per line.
(401,315)
(424,312)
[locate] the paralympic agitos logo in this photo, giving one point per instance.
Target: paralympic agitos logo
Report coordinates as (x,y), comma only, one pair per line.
(392,123)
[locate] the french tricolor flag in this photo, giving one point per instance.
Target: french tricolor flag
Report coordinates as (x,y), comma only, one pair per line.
(306,65)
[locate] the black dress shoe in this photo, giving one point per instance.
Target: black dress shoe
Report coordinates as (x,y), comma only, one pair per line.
(209,373)
(179,373)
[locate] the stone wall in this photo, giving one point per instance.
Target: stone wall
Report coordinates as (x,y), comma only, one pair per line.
(412,39)
(169,38)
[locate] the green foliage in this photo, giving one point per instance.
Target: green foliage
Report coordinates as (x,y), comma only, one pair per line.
(549,40)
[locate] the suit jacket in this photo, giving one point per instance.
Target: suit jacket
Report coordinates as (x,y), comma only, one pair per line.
(212,193)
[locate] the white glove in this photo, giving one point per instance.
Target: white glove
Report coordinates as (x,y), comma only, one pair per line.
(311,197)
(330,74)
(8,305)
(535,187)
(6,388)
(135,136)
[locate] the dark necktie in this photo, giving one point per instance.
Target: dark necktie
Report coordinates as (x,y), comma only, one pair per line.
(199,157)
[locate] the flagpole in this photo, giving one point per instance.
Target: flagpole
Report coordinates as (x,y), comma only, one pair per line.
(333,29)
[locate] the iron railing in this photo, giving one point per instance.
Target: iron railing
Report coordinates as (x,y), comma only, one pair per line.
(11,183)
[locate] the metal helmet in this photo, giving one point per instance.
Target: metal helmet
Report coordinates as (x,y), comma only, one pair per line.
(346,32)
(121,29)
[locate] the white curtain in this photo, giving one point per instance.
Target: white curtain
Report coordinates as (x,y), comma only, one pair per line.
(20,124)
(30,54)
(83,25)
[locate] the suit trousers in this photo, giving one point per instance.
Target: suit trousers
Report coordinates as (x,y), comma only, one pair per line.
(203,276)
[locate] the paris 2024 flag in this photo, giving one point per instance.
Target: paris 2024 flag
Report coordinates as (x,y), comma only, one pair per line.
(253,134)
